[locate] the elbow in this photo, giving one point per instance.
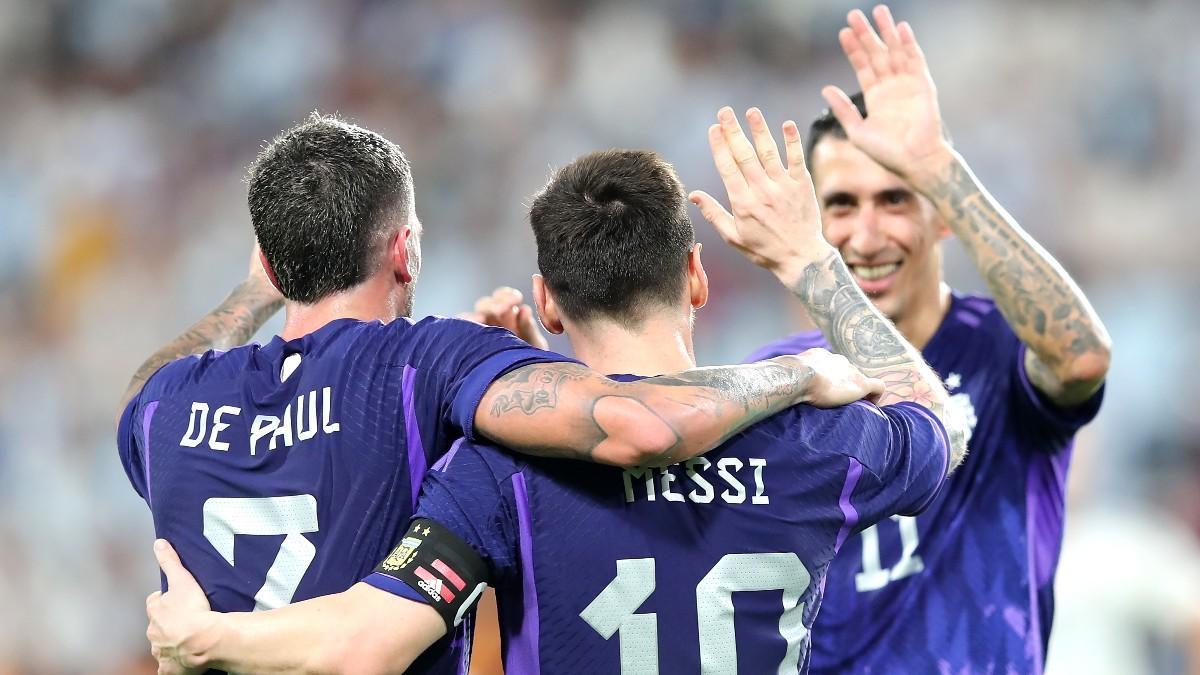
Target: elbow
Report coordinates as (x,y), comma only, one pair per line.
(1090,367)
(635,434)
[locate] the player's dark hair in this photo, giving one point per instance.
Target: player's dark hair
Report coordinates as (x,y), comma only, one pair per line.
(828,125)
(613,235)
(322,195)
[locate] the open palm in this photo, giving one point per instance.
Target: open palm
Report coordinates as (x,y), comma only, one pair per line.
(904,125)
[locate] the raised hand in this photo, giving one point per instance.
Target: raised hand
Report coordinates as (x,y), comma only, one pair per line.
(903,129)
(775,220)
(505,308)
(176,616)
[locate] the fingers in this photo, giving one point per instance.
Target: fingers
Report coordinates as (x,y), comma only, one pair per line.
(152,601)
(794,146)
(875,389)
(168,561)
(714,213)
(740,147)
(914,57)
(860,61)
(891,37)
(764,143)
(843,109)
(869,41)
(727,166)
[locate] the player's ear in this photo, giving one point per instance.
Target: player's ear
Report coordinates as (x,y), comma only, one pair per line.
(262,259)
(398,252)
(546,308)
(697,278)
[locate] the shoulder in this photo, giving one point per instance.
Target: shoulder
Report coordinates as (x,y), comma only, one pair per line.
(791,344)
(979,315)
(196,370)
(480,460)
(820,426)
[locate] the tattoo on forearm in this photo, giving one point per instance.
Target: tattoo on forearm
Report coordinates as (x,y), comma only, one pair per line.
(855,329)
(853,326)
(232,323)
(1043,305)
(700,407)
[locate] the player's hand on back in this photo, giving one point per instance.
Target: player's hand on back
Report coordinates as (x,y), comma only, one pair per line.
(903,128)
(505,308)
(775,220)
(836,381)
(177,617)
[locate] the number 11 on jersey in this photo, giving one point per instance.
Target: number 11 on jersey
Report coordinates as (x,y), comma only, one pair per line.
(873,575)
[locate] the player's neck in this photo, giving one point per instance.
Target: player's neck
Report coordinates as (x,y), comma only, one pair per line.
(661,345)
(919,326)
(376,299)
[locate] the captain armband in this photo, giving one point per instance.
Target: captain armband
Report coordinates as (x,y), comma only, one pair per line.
(440,567)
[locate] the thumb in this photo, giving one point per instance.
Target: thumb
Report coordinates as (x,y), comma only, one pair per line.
(529,330)
(168,560)
(842,108)
(714,213)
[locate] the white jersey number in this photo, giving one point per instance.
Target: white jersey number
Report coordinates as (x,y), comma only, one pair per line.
(613,610)
(225,518)
(873,575)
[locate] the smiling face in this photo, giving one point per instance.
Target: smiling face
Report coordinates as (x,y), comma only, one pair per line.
(888,234)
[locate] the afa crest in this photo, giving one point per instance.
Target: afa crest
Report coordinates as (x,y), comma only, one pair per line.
(402,555)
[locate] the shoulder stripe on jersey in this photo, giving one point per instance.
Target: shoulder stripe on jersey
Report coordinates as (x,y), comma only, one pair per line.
(146,418)
(849,513)
(523,647)
(444,463)
(417,464)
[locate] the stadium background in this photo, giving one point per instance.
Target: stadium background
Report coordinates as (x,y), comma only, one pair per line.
(127,126)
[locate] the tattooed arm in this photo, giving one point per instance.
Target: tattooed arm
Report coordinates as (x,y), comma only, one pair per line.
(232,323)
(1068,348)
(776,223)
(566,410)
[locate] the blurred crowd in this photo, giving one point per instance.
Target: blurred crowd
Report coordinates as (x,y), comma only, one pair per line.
(128,126)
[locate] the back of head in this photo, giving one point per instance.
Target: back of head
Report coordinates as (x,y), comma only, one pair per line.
(323,196)
(613,236)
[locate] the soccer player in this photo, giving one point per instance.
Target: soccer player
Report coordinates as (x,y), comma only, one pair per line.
(285,471)
(967,585)
(641,570)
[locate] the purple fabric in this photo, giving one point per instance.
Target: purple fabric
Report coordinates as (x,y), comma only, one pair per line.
(146,418)
(849,513)
(417,464)
(444,463)
(394,586)
(522,654)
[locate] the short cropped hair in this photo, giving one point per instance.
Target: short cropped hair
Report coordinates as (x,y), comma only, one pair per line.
(322,196)
(613,235)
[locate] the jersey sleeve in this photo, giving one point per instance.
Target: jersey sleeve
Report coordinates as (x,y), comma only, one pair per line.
(1059,422)
(469,493)
(133,428)
(461,359)
(896,459)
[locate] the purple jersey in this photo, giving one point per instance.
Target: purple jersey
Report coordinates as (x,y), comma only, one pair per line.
(286,471)
(967,586)
(713,565)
